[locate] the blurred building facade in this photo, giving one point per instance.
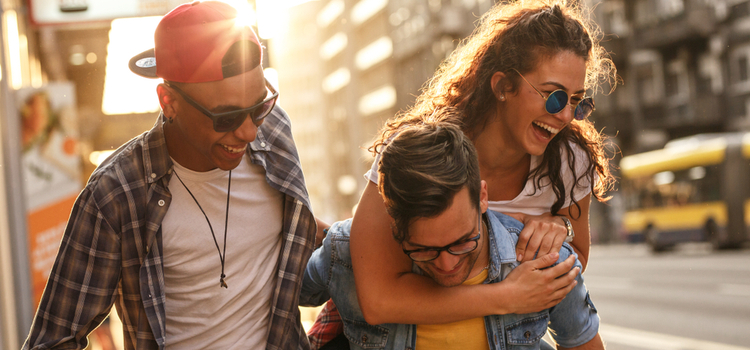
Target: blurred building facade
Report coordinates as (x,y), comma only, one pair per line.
(684,64)
(684,69)
(295,56)
(368,60)
(346,66)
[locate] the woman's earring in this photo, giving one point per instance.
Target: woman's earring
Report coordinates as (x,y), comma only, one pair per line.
(502,97)
(171,120)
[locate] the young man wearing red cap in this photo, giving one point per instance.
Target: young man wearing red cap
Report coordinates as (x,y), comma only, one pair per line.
(198,230)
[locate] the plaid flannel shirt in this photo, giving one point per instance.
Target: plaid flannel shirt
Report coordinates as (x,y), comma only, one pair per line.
(111,251)
(328,325)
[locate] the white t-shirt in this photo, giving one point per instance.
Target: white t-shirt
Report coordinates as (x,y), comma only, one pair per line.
(527,201)
(200,314)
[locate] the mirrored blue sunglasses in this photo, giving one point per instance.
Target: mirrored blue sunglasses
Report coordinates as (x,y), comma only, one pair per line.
(556,101)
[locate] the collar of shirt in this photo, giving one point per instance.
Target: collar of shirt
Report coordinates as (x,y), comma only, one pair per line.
(502,241)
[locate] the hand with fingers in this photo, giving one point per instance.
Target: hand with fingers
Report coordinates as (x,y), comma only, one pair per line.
(536,286)
(541,234)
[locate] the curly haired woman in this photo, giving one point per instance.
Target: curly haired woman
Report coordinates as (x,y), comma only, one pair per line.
(521,82)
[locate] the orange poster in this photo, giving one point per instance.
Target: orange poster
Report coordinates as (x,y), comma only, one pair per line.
(51,172)
(46,227)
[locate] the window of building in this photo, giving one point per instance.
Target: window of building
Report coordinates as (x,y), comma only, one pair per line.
(742,68)
(378,100)
(336,80)
(623,99)
(649,76)
(646,83)
(709,79)
(739,67)
(333,46)
(669,8)
(374,53)
(615,21)
(645,12)
(365,9)
(648,12)
(332,10)
(671,84)
(676,84)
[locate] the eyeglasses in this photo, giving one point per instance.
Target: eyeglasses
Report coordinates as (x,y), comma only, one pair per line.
(230,121)
(458,248)
(558,100)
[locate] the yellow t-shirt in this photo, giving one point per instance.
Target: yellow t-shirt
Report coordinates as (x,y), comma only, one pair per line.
(464,335)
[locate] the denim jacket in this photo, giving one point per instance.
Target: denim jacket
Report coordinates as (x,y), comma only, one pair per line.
(573,322)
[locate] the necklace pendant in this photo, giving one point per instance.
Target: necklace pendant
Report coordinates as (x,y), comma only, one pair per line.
(223,284)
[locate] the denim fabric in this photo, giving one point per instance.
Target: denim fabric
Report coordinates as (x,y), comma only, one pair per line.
(329,275)
(572,322)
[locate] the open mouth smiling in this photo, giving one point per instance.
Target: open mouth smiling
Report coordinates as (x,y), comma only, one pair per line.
(545,129)
(231,149)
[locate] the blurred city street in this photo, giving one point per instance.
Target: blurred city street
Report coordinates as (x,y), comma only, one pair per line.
(677,130)
(689,298)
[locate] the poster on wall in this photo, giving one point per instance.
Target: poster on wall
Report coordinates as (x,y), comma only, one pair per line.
(51,12)
(51,171)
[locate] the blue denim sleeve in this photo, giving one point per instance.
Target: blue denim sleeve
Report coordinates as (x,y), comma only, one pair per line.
(314,290)
(574,321)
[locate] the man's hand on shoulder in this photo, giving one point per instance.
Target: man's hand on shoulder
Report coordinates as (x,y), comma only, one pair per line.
(541,234)
(535,286)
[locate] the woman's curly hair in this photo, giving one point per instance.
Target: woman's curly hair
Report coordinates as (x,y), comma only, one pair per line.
(517,35)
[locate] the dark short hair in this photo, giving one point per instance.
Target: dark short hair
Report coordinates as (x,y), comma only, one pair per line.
(422,168)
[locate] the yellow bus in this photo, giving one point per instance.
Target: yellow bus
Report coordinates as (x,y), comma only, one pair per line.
(694,189)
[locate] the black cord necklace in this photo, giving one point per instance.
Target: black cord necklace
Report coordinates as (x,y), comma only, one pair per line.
(222,283)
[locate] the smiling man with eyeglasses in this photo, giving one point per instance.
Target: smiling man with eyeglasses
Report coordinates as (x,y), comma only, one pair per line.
(429,180)
(198,230)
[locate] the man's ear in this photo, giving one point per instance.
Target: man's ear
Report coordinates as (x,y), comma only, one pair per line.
(166,100)
(484,197)
(498,85)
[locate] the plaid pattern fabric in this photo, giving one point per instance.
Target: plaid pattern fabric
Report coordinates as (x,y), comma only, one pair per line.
(111,251)
(328,325)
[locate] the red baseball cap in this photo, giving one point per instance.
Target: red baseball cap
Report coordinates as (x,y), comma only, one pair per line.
(199,42)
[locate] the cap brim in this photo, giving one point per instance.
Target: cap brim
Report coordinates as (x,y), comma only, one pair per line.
(144,64)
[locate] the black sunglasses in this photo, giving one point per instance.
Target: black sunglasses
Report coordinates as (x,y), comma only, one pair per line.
(230,121)
(558,100)
(457,248)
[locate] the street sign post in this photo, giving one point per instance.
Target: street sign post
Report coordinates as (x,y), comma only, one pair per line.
(16,309)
